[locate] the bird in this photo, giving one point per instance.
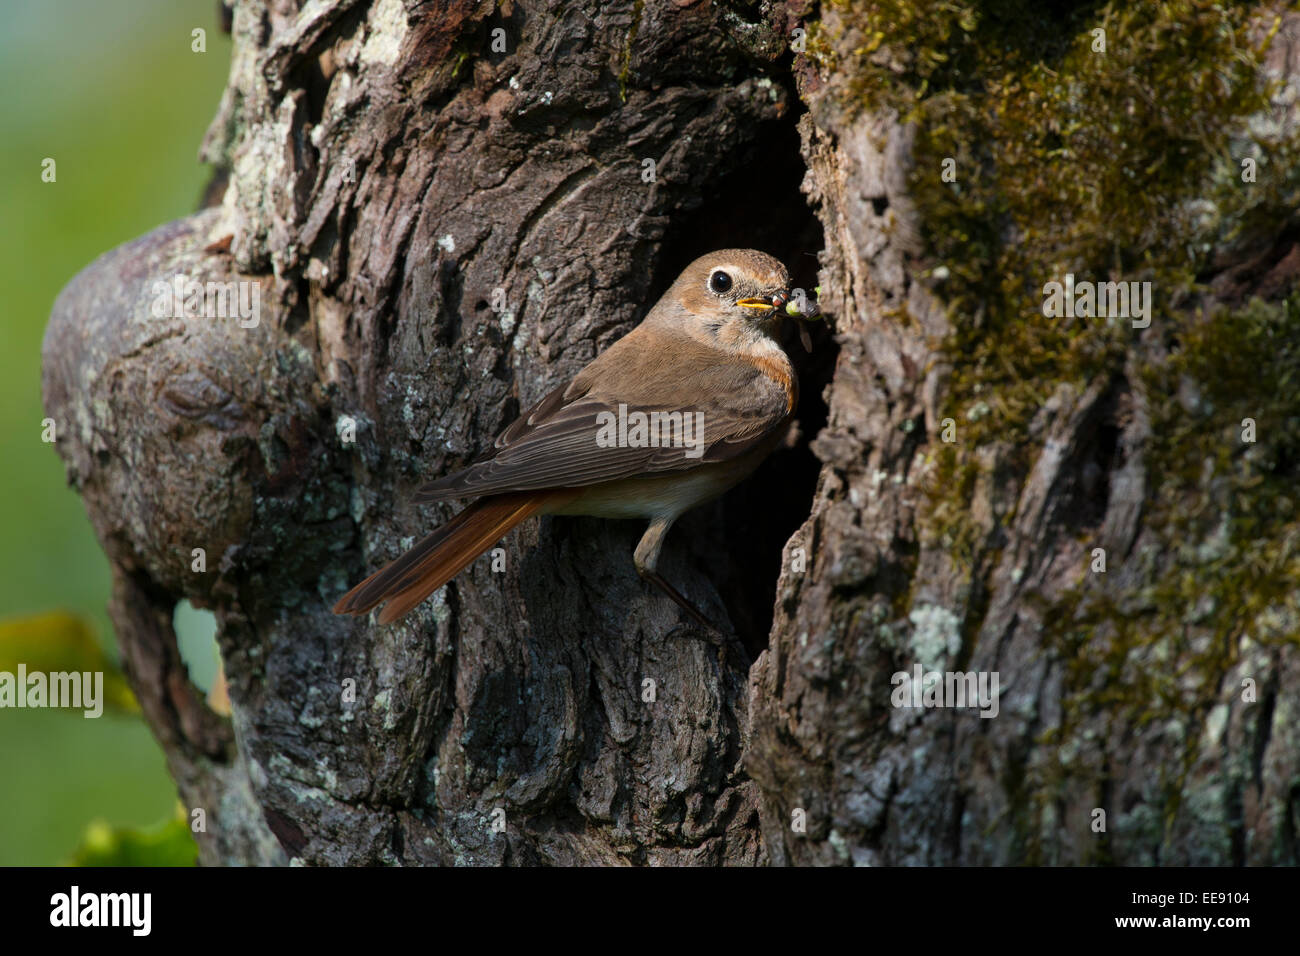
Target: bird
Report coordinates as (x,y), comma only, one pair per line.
(672,415)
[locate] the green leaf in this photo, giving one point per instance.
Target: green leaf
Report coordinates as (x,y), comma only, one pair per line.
(168,844)
(59,641)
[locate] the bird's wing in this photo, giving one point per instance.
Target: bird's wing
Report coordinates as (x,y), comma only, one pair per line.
(558,442)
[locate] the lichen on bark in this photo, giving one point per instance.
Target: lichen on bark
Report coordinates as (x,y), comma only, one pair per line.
(1124,690)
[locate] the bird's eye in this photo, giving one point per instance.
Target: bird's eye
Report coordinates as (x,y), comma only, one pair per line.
(719,282)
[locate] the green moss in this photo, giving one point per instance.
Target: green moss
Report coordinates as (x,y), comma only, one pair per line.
(1083,167)
(1115,166)
(460,56)
(948,523)
(625,73)
(1068,161)
(1227,514)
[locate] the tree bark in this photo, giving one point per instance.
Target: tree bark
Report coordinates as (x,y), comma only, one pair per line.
(449,208)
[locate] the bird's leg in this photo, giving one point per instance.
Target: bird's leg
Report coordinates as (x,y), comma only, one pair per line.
(646,558)
(660,582)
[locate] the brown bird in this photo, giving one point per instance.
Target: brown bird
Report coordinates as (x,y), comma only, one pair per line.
(672,415)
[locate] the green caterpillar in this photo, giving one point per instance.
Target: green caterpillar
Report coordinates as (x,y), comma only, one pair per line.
(793,310)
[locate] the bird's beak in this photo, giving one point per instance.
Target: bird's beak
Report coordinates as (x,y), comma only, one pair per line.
(776,301)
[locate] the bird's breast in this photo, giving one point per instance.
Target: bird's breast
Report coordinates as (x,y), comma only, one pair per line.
(659,496)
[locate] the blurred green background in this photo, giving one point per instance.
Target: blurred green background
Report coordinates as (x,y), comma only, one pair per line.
(113,93)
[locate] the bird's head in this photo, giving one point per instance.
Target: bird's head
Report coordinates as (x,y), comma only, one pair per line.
(729,297)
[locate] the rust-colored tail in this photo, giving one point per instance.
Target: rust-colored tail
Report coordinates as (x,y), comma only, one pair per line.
(440,556)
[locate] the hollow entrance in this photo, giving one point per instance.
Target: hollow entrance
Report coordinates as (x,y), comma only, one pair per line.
(738,540)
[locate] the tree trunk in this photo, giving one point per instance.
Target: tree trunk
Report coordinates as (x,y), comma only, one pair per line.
(449,208)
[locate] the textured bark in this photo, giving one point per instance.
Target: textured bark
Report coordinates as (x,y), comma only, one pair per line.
(1203,780)
(390,180)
